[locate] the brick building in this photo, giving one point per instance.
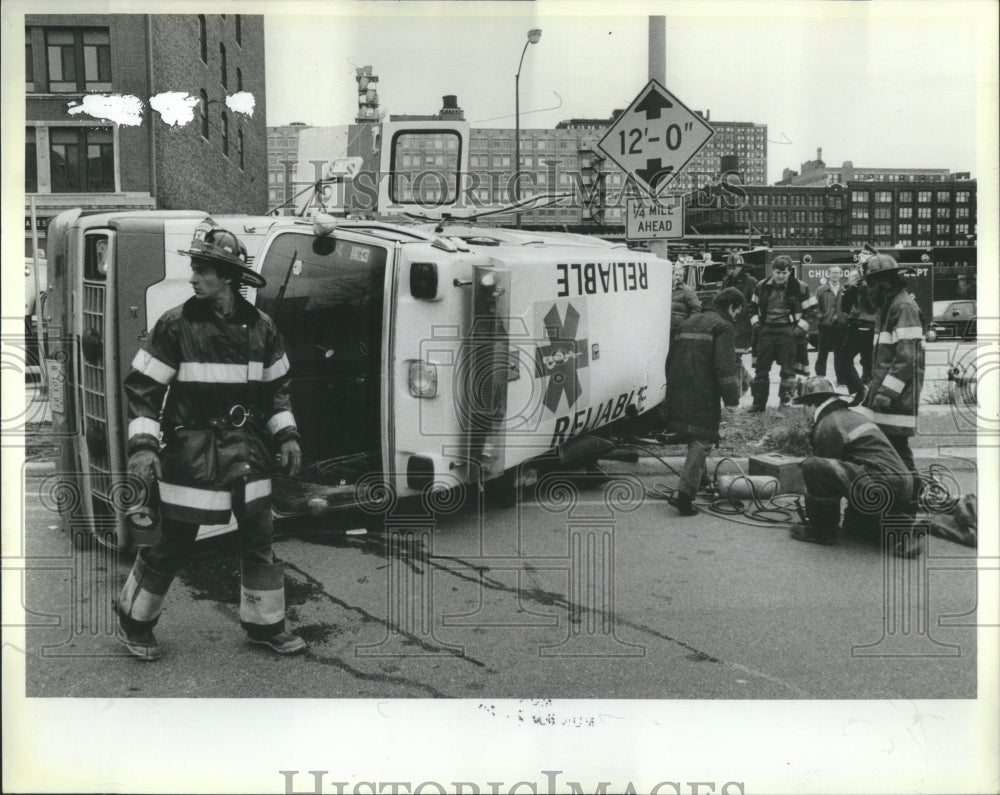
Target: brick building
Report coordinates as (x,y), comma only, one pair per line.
(216,163)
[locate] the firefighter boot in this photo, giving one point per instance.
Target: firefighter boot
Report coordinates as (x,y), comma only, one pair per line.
(786,390)
(822,520)
(262,608)
(759,390)
(138,608)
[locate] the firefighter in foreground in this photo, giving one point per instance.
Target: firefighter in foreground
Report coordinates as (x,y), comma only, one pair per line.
(702,368)
(893,397)
(780,312)
(221,364)
(852,459)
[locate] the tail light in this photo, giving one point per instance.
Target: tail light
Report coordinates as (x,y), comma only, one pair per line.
(423,379)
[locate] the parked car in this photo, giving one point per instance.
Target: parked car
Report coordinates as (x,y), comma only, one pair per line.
(953,320)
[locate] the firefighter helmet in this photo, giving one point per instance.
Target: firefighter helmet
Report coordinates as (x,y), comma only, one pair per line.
(220,247)
(815,390)
(882,264)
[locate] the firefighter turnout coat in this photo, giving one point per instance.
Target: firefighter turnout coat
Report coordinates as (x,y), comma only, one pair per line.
(227,402)
(897,366)
(702,368)
(799,305)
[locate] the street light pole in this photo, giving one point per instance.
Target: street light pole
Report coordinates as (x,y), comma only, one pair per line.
(533,36)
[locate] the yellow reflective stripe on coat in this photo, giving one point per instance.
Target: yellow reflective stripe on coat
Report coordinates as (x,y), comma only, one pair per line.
(212,373)
(283,419)
(191,497)
(143,425)
(862,430)
(147,364)
(277,369)
(904,333)
(804,324)
(893,384)
(694,335)
(810,301)
(256,489)
(893,420)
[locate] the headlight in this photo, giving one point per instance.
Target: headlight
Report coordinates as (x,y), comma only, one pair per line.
(423,380)
(931,335)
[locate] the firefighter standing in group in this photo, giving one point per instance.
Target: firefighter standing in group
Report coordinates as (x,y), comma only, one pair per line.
(227,421)
(852,459)
(859,339)
(702,369)
(684,301)
(780,311)
(893,397)
(738,278)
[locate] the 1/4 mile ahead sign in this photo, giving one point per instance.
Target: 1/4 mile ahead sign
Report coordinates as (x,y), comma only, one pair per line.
(655,138)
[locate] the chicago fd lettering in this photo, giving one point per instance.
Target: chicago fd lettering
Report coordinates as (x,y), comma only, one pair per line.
(587,419)
(590,278)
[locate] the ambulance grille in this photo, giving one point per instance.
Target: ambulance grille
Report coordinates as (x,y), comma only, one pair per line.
(95,407)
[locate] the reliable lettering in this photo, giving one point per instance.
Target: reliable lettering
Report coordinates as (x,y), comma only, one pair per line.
(591,417)
(590,278)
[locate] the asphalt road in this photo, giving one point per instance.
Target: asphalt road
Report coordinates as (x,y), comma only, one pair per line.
(591,589)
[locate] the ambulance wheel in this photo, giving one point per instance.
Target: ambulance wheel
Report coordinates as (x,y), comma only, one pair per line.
(501,492)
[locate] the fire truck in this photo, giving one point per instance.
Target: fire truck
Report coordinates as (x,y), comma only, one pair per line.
(426,357)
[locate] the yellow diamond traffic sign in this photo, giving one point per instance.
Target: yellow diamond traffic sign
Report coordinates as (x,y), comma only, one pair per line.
(654,138)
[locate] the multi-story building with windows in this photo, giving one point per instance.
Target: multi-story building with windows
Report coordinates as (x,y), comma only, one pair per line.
(282,156)
(884,214)
(216,162)
(816,173)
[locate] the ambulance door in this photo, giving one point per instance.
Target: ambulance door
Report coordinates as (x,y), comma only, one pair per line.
(325,294)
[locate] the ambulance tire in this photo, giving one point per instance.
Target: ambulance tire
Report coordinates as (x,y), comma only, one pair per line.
(502,492)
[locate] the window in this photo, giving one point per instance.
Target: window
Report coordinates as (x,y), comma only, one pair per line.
(29,64)
(30,161)
(944,195)
(962,196)
(859,212)
(961,212)
(923,212)
(905,212)
(239,79)
(239,30)
(859,196)
(204,114)
(943,229)
(225,134)
(906,196)
(883,195)
(239,147)
(82,159)
(223,75)
(203,38)
(78,60)
(924,196)
(883,212)
(943,212)
(882,230)
(906,229)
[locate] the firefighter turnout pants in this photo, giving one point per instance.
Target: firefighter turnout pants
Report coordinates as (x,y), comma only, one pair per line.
(870,495)
(262,587)
(775,344)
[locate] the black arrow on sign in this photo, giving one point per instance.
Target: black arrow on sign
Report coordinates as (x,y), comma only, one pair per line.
(653,174)
(653,103)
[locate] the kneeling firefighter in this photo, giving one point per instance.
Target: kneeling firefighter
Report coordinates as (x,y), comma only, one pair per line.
(227,419)
(852,459)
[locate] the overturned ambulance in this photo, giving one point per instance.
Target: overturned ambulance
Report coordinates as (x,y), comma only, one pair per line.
(423,356)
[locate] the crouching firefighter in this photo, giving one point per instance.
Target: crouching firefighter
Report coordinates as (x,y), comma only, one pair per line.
(780,312)
(852,459)
(226,421)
